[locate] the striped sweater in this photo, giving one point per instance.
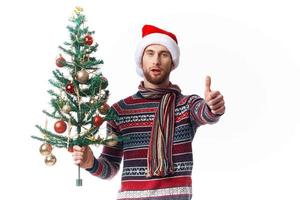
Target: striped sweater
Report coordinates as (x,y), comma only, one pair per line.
(135,121)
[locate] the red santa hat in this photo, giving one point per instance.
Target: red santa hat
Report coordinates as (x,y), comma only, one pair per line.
(154,35)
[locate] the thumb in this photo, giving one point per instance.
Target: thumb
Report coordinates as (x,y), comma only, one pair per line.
(207,84)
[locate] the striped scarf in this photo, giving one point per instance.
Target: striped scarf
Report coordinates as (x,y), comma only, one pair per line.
(159,157)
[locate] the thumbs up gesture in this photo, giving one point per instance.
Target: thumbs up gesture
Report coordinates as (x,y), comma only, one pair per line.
(214,99)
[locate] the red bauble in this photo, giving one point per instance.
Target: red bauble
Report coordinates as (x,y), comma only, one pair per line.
(70,88)
(88,40)
(60,126)
(97,121)
(60,61)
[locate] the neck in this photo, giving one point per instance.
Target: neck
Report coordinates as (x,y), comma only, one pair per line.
(165,84)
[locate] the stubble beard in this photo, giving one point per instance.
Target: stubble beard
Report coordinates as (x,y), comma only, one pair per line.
(159,79)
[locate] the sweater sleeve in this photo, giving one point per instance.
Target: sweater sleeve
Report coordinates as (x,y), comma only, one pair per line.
(108,163)
(200,113)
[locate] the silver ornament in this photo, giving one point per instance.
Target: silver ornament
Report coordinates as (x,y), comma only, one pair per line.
(82,76)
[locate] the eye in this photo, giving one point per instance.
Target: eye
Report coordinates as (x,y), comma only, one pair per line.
(150,53)
(165,55)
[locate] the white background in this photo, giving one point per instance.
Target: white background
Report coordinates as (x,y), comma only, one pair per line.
(249,48)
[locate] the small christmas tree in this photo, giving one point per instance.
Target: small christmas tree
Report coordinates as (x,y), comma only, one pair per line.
(79,100)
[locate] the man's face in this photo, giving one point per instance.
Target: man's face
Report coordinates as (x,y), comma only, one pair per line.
(157,64)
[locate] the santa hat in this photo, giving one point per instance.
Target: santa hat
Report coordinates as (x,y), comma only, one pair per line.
(154,35)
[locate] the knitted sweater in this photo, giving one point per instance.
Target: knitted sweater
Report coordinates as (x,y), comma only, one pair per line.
(135,121)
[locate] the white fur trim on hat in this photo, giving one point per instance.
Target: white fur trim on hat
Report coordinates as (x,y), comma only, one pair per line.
(156,38)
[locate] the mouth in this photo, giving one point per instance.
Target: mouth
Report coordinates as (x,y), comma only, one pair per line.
(156,71)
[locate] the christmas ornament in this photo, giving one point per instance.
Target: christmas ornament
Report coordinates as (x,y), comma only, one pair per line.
(97,121)
(70,88)
(78,10)
(82,76)
(103,94)
(104,82)
(45,149)
(60,61)
(103,109)
(88,40)
(66,108)
(60,126)
(86,57)
(113,140)
(50,160)
(92,101)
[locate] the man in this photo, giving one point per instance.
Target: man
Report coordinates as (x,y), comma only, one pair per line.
(160,124)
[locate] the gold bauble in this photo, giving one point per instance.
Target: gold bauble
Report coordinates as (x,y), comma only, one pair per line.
(45,149)
(50,160)
(82,76)
(113,140)
(66,108)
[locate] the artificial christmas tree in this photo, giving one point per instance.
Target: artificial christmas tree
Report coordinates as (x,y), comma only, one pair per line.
(79,100)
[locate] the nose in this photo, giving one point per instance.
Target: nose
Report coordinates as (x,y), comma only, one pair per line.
(156,60)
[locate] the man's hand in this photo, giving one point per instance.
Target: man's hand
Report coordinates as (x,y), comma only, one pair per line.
(83,156)
(214,99)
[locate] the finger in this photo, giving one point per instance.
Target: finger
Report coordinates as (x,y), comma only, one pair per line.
(220,111)
(78,162)
(77,148)
(214,94)
(78,157)
(215,100)
(77,153)
(217,106)
(207,84)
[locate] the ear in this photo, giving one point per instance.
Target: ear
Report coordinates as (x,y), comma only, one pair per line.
(172,65)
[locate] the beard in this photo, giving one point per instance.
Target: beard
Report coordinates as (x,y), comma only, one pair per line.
(157,80)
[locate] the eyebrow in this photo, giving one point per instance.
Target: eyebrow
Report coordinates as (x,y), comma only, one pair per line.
(163,51)
(147,50)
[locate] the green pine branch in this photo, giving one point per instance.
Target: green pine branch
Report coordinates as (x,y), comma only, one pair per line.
(72,99)
(60,77)
(69,52)
(51,138)
(93,48)
(92,63)
(71,29)
(53,115)
(51,92)
(55,84)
